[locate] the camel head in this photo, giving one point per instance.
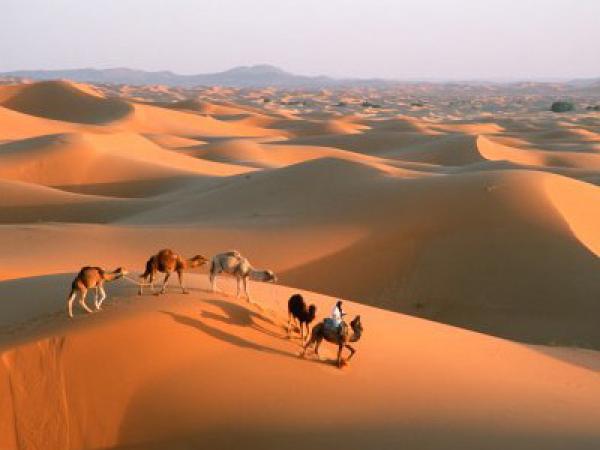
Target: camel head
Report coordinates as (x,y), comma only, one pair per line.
(197,261)
(119,272)
(266,276)
(270,277)
(312,312)
(357,328)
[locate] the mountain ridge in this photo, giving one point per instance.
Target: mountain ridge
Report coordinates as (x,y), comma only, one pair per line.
(260,75)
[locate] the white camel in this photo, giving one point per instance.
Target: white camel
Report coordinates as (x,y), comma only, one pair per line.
(233,263)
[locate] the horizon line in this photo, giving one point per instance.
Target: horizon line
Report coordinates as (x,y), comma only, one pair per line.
(424,79)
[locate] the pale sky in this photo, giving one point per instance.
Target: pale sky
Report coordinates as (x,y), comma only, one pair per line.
(415,39)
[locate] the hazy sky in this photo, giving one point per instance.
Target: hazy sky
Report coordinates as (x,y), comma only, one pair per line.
(415,39)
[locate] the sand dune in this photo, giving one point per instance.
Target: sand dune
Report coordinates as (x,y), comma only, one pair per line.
(61,100)
(473,209)
(129,403)
(74,159)
(302,128)
(265,155)
(495,152)
(17,125)
(173,142)
(373,143)
(286,195)
(451,150)
(153,119)
(199,105)
(573,200)
(456,240)
(25,203)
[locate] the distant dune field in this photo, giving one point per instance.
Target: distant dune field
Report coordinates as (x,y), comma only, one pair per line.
(484,220)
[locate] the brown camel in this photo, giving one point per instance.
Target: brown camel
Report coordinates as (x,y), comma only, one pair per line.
(91,278)
(342,338)
(167,261)
(299,311)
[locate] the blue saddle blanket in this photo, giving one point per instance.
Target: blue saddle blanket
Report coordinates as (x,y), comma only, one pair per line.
(330,326)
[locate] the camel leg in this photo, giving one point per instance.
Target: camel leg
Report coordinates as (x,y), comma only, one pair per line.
(102,298)
(245,279)
(317,344)
(96,295)
(82,302)
(165,281)
(307,332)
(152,276)
(308,344)
(148,281)
(352,351)
(292,324)
(239,287)
(213,282)
(180,275)
(70,301)
(339,355)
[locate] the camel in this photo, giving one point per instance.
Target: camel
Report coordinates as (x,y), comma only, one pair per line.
(91,278)
(167,261)
(233,263)
(321,331)
(297,309)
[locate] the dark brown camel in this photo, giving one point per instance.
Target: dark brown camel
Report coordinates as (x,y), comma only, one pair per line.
(302,313)
(342,338)
(166,261)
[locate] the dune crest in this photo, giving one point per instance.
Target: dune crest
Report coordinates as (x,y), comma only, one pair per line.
(574,200)
(424,208)
(62,100)
(129,403)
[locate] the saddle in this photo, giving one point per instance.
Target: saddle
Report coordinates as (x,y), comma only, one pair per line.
(330,329)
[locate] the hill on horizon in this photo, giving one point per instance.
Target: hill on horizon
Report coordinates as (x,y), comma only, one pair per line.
(266,75)
(242,76)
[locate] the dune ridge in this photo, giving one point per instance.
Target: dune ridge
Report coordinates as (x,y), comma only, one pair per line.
(131,405)
(462,225)
(62,100)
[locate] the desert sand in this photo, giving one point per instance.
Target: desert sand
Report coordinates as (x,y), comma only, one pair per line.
(466,236)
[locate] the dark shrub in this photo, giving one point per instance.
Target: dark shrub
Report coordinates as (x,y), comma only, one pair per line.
(560,107)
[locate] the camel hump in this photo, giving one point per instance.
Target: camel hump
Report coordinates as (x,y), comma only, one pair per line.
(166,257)
(84,269)
(296,305)
(233,253)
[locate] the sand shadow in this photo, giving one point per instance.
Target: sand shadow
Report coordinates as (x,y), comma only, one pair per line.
(239,315)
(224,335)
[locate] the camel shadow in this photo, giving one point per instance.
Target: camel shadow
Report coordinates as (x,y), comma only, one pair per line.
(224,335)
(238,315)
